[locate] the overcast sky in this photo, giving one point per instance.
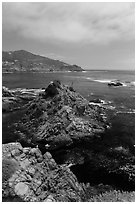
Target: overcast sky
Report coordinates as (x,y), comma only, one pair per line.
(92,35)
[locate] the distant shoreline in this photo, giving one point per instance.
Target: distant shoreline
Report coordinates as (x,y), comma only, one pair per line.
(89,70)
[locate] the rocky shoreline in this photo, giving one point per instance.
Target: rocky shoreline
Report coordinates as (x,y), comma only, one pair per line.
(60,136)
(37,177)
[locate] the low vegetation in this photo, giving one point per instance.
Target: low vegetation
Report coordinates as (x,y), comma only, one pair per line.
(114,196)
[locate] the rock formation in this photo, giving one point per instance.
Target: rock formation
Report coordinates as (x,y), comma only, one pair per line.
(15,99)
(29,176)
(115,83)
(35,177)
(59,122)
(60,117)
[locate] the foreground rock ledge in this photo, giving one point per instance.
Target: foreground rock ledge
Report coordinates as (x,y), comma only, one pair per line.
(30,176)
(35,177)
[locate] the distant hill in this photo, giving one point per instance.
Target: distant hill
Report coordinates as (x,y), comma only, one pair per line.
(22,60)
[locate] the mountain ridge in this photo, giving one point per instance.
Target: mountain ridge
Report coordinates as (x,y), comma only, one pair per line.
(22,60)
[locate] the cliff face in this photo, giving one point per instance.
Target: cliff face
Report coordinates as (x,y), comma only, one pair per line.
(25,61)
(60,117)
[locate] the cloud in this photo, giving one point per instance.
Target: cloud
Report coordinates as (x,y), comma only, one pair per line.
(70,22)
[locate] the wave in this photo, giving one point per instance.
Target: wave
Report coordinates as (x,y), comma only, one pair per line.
(103,80)
(104,104)
(28,91)
(109,81)
(98,80)
(106,81)
(88,78)
(126,112)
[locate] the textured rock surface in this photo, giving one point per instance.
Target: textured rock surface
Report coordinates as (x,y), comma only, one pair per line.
(6,92)
(57,120)
(38,177)
(9,100)
(14,99)
(60,117)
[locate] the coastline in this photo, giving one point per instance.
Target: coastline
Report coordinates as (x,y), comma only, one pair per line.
(78,162)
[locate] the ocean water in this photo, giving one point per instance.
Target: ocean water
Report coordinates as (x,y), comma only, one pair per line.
(119,101)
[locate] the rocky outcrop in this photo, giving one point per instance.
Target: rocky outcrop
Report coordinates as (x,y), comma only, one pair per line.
(31,176)
(9,100)
(115,83)
(60,117)
(59,120)
(6,92)
(15,99)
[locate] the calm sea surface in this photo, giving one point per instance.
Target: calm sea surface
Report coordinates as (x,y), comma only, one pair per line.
(120,101)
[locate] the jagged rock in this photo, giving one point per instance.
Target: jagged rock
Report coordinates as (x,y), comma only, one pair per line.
(60,117)
(15,99)
(6,92)
(115,83)
(9,100)
(35,180)
(52,89)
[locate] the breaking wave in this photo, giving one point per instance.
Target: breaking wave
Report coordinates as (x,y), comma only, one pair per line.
(126,112)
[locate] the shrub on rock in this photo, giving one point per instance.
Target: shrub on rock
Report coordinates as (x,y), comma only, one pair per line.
(114,196)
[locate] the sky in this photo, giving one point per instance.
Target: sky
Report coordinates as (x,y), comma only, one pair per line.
(91,35)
